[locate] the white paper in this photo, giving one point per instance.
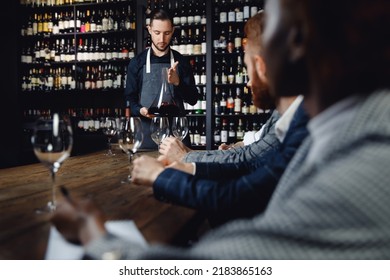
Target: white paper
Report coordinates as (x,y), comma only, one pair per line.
(58,248)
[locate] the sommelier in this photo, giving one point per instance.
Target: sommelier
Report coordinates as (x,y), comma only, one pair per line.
(143,83)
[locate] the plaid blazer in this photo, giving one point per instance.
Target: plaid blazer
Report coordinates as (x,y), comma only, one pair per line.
(267,142)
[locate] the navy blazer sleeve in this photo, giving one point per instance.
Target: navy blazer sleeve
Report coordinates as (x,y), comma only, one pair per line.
(243,196)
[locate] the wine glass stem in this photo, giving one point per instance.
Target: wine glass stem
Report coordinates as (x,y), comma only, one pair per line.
(53,191)
(131,157)
(109,146)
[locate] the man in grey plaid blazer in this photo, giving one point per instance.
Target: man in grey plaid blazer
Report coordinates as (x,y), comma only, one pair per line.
(333,200)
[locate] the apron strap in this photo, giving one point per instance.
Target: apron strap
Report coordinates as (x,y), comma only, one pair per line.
(148,60)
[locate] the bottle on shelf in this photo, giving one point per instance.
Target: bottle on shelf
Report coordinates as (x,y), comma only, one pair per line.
(217,108)
(239,77)
(203,137)
(183,13)
(203,103)
(231,15)
(198,105)
(223,103)
(223,16)
(203,71)
(224,131)
(217,132)
(230,40)
(176,13)
(238,101)
(189,11)
(230,102)
(232,132)
(240,130)
(224,72)
(196,132)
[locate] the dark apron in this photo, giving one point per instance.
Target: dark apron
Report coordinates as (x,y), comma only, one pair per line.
(150,93)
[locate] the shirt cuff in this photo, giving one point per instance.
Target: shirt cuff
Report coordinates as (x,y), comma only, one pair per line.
(194,168)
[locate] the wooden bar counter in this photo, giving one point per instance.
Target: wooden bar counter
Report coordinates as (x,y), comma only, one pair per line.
(24,234)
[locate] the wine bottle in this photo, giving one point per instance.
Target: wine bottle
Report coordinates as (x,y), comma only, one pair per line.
(230,103)
(203,41)
(203,137)
(232,132)
(231,15)
(217,132)
(183,42)
(197,49)
(198,105)
(217,108)
(224,131)
(190,15)
(176,12)
(222,103)
(190,43)
(183,13)
(230,41)
(239,75)
(240,130)
(203,71)
(196,132)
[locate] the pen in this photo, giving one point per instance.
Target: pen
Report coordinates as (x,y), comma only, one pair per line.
(66,194)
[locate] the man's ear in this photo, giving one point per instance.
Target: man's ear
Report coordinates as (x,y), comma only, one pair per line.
(296,43)
(260,66)
(149,29)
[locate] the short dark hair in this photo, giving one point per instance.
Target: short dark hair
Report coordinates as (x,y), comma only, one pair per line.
(160,14)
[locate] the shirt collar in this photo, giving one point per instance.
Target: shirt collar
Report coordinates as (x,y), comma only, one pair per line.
(283,124)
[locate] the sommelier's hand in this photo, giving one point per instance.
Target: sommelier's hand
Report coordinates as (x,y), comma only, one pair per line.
(173,77)
(144,112)
(79,222)
(146,170)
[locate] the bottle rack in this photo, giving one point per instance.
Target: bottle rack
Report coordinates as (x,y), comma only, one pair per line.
(70,69)
(233,110)
(73,59)
(75,54)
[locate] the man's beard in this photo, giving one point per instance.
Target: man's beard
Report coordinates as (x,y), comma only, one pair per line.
(262,98)
(161,50)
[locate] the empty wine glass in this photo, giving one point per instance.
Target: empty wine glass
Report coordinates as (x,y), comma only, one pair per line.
(159,129)
(109,129)
(180,127)
(52,142)
(130,139)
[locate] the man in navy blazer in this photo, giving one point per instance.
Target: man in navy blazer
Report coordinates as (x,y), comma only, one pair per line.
(236,190)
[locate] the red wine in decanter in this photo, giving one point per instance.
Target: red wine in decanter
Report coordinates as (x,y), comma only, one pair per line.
(166,109)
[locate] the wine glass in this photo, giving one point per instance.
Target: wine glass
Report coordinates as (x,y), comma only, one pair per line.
(52,142)
(130,139)
(159,129)
(180,127)
(109,129)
